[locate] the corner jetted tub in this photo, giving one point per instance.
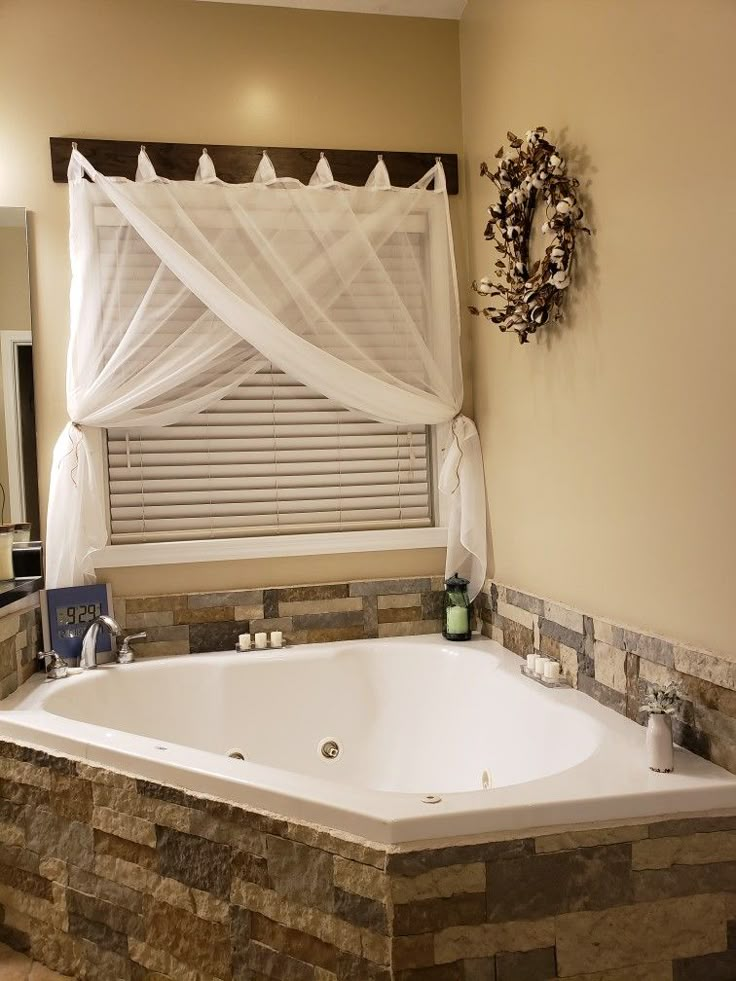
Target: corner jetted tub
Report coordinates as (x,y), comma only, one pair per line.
(394,740)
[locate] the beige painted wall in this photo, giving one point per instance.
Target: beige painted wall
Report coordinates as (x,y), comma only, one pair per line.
(222,73)
(609,443)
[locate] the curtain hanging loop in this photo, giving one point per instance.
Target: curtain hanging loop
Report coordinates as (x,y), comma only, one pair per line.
(205,167)
(145,170)
(379,176)
(265,171)
(323,172)
(74,146)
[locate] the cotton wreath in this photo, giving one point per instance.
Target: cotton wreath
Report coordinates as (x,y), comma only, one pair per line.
(530,296)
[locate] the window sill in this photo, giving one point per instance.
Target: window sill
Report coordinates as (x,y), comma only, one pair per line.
(232,549)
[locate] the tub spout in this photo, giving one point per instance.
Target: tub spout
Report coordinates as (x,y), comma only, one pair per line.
(89,640)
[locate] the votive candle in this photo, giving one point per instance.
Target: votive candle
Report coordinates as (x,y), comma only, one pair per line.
(531,663)
(277,638)
(244,642)
(539,665)
(261,641)
(551,671)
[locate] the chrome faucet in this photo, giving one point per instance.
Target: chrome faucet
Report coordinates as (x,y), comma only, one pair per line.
(89,640)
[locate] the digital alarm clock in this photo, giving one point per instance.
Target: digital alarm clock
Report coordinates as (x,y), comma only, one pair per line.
(67,612)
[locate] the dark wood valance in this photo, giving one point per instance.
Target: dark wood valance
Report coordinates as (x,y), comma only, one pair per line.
(237,164)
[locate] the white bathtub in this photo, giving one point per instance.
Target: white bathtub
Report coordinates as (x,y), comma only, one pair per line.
(412,717)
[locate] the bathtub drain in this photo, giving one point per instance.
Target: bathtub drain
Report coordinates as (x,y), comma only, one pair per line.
(431,799)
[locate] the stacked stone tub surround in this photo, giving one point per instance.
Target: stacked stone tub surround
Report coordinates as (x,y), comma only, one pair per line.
(617,666)
(105,876)
(198,622)
(20,635)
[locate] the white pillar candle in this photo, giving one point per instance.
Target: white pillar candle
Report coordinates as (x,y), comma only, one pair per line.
(277,638)
(551,671)
(261,641)
(244,642)
(531,662)
(539,665)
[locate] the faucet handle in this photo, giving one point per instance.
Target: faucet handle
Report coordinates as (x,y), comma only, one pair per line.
(54,665)
(126,654)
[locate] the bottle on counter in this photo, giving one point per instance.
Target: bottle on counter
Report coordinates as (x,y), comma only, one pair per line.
(457,610)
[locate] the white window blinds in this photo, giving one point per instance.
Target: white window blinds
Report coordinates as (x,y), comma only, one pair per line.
(271,458)
(275,457)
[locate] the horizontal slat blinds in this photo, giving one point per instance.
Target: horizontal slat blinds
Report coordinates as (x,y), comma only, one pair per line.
(273,457)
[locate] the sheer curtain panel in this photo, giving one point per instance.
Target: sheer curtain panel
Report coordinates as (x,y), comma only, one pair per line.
(197,285)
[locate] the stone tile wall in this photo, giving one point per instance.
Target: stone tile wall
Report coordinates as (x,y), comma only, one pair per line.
(617,666)
(20,641)
(199,622)
(105,876)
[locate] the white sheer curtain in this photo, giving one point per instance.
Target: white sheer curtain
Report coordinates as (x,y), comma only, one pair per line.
(226,278)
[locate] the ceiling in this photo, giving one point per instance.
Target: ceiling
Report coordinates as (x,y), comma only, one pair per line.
(449,9)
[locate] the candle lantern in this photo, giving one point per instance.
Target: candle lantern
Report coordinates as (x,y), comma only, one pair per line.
(456,618)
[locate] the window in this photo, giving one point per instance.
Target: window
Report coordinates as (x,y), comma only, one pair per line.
(274,457)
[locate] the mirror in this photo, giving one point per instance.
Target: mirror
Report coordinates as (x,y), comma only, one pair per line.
(18,466)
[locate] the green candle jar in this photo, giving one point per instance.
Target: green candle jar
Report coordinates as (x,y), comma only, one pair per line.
(457,609)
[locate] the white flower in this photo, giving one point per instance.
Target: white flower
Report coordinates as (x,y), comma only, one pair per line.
(563,206)
(545,228)
(531,136)
(554,160)
(662,700)
(517,196)
(557,253)
(484,286)
(560,280)
(511,154)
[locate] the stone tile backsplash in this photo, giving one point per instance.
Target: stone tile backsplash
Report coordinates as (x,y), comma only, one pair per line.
(105,876)
(198,622)
(617,666)
(20,641)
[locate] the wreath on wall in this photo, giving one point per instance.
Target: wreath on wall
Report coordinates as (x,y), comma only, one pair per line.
(531,296)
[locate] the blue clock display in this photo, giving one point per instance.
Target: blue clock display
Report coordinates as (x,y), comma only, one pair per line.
(72,621)
(68,612)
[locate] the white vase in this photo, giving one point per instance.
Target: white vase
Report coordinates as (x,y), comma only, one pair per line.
(660,753)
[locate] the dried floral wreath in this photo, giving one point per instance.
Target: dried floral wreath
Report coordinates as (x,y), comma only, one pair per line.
(531,297)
